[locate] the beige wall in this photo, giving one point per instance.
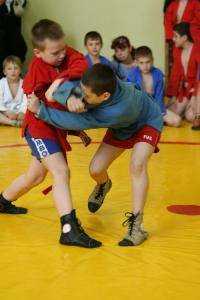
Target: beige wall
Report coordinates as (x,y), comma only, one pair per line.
(141,21)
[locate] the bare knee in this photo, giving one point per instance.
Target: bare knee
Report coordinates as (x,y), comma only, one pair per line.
(172,119)
(95,169)
(137,167)
(61,172)
(176,122)
(34,179)
(189,115)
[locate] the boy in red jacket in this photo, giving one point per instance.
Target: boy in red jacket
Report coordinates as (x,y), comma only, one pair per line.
(53,62)
(176,12)
(182,82)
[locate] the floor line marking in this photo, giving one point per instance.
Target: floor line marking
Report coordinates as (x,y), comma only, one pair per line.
(98,142)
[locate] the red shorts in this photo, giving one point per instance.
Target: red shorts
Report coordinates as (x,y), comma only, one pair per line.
(145,134)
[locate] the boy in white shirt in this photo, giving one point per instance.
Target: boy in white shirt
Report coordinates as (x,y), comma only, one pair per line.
(12,97)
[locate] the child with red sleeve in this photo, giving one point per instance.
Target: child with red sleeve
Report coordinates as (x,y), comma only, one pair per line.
(183,11)
(182,82)
(180,11)
(53,60)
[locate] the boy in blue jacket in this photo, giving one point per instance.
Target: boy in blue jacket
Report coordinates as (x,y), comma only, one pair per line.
(150,80)
(133,121)
(93,43)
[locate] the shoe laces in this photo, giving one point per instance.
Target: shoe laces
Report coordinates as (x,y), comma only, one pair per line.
(80,228)
(130,221)
(100,191)
(78,222)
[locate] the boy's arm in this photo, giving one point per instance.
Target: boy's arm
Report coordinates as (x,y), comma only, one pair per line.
(65,90)
(68,120)
(75,66)
(94,118)
(23,105)
(69,95)
(53,87)
(2,106)
(159,94)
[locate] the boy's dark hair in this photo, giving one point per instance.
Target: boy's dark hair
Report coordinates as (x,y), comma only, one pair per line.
(122,42)
(143,51)
(93,35)
(45,29)
(100,78)
(15,60)
(166,4)
(182,29)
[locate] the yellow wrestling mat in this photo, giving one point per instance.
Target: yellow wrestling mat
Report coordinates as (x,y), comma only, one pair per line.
(167,266)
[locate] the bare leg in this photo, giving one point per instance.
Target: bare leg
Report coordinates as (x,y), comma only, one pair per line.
(72,233)
(196,122)
(138,168)
(57,166)
(101,161)
(139,161)
(178,107)
(22,184)
(172,119)
(197,110)
(190,109)
(6,121)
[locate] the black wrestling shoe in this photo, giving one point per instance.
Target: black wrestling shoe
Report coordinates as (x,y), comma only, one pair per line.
(6,207)
(73,234)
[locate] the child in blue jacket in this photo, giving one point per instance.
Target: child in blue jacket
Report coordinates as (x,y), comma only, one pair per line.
(150,80)
(93,43)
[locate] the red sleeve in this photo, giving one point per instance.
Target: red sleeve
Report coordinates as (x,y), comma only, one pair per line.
(37,79)
(175,76)
(195,23)
(169,21)
(76,64)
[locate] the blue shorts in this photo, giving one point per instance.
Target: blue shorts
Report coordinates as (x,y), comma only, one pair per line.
(41,148)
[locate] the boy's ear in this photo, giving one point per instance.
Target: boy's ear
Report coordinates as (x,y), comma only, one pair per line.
(185,37)
(37,52)
(107,95)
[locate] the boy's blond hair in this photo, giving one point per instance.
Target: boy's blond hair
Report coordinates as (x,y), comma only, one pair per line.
(45,29)
(15,60)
